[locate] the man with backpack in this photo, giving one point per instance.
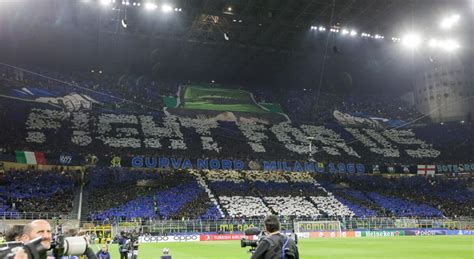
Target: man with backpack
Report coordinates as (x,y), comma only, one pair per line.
(275,245)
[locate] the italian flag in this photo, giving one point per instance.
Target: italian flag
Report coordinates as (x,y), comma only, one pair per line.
(31,158)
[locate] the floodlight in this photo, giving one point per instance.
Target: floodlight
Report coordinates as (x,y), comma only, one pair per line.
(151,6)
(433,43)
(166,8)
(321,28)
(105,2)
(448,22)
(449,45)
(229,9)
(353,33)
(411,40)
(344,32)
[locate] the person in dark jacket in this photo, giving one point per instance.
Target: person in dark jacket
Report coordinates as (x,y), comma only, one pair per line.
(275,245)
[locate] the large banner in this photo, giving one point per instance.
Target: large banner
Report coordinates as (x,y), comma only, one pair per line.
(228,164)
(455,168)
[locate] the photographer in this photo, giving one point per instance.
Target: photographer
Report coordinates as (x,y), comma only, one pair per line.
(38,228)
(122,244)
(275,245)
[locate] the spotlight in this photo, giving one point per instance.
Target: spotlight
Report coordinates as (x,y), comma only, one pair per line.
(321,28)
(411,40)
(449,45)
(151,6)
(229,9)
(344,32)
(240,20)
(105,2)
(433,43)
(353,33)
(448,22)
(166,8)
(179,9)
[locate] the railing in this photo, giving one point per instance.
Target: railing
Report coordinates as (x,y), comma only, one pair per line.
(235,225)
(36,215)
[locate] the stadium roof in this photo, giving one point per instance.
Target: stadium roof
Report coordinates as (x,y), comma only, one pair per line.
(251,41)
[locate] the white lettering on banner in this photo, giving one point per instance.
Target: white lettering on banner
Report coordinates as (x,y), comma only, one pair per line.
(284,131)
(80,125)
(168,239)
(203,128)
(40,120)
(385,149)
(130,131)
(123,137)
(170,130)
(253,132)
(331,141)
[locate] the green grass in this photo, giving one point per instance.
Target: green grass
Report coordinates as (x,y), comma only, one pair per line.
(377,247)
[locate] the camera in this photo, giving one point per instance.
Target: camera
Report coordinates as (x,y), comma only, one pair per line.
(61,246)
(66,246)
(131,245)
(32,249)
(244,242)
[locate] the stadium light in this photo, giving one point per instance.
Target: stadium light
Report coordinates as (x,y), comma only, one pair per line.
(105,2)
(411,40)
(448,22)
(166,8)
(433,43)
(344,32)
(321,28)
(151,6)
(353,33)
(449,45)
